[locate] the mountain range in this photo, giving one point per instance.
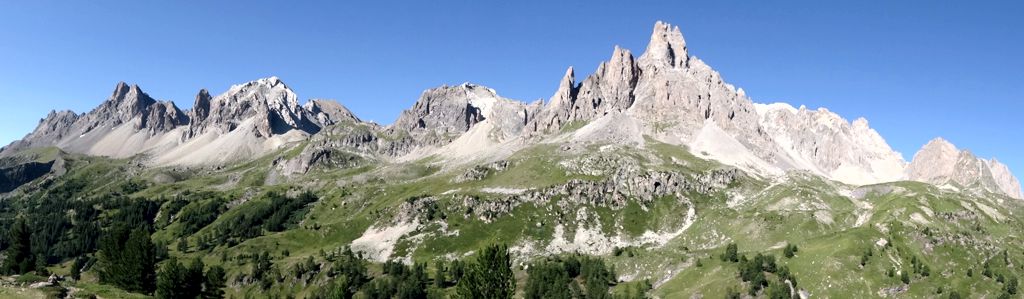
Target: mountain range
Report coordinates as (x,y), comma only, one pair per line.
(665,94)
(650,178)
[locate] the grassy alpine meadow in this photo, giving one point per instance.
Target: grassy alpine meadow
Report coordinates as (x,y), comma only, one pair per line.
(418,228)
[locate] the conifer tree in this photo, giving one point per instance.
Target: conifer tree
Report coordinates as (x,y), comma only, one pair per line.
(19,254)
(490,277)
(214,283)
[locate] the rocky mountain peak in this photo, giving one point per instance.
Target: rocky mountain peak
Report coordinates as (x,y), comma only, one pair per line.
(126,102)
(447,109)
(566,88)
(860,123)
(56,123)
(1007,182)
(267,104)
(443,114)
(201,106)
(667,47)
(934,162)
(162,116)
(939,143)
(329,112)
(557,110)
(940,162)
(611,87)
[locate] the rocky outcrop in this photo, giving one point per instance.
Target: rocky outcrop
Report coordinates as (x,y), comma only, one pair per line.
(479,172)
(24,167)
(163,117)
(939,162)
(318,157)
(678,95)
(615,192)
(558,111)
(666,49)
(934,162)
(609,89)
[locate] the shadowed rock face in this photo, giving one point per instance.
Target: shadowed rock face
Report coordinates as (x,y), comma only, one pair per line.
(17,175)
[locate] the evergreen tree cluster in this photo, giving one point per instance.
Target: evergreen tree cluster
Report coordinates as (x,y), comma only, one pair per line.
(919,267)
(573,276)
(490,276)
(20,258)
(127,259)
(347,275)
(864,258)
(199,214)
(790,250)
(731,253)
(275,213)
(762,273)
(400,281)
(175,280)
(50,227)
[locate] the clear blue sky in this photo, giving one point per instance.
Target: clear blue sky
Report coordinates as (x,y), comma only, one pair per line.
(915,70)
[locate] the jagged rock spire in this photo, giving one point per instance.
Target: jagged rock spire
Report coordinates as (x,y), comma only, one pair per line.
(126,102)
(617,78)
(667,47)
(201,107)
(566,89)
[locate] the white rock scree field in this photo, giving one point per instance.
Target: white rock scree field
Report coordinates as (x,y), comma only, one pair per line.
(650,178)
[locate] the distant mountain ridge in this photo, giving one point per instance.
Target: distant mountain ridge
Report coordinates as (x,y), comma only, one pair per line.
(665,94)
